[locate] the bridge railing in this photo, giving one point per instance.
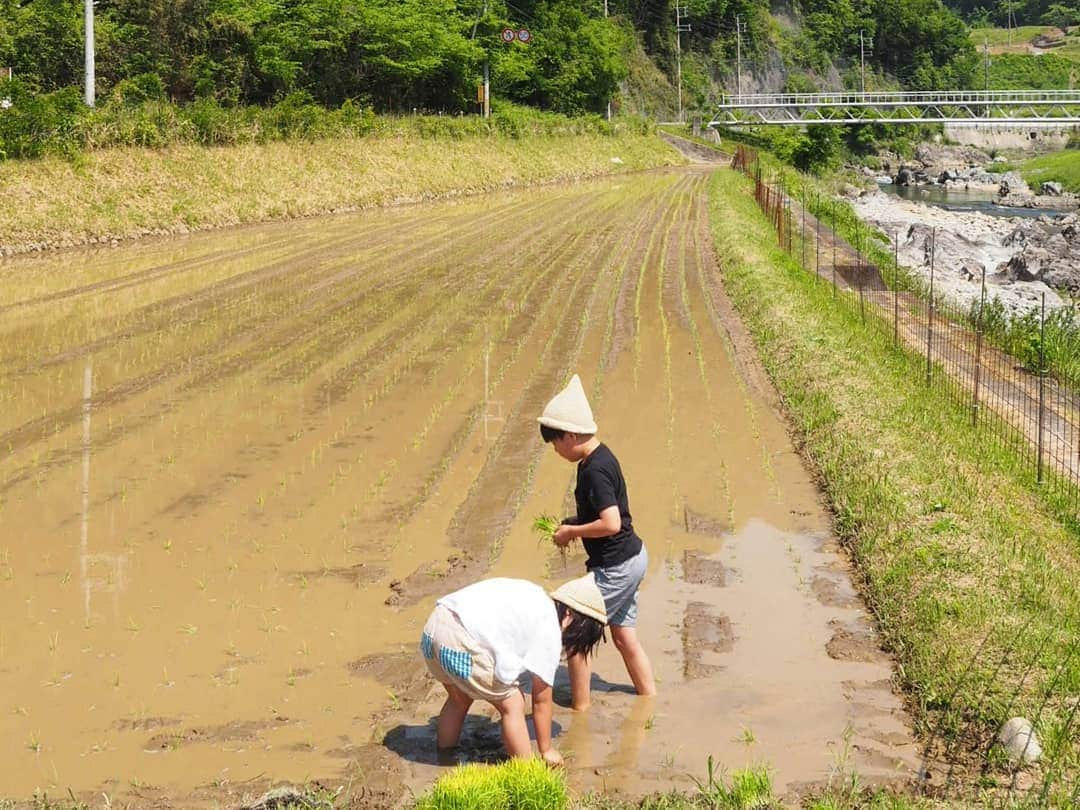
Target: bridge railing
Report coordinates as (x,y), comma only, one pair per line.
(899,99)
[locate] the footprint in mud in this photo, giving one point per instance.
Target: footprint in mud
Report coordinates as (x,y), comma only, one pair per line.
(698,523)
(233,731)
(402,673)
(359,574)
(833,591)
(699,569)
(433,578)
(854,642)
(704,632)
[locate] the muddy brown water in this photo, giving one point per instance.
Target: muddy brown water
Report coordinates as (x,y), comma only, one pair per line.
(236,470)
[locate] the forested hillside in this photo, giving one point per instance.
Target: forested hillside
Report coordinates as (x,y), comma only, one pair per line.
(401,54)
(984,13)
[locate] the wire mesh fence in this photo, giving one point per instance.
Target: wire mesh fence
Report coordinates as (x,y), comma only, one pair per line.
(1017,398)
(1014,398)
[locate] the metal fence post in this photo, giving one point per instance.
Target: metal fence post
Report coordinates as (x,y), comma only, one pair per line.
(859,270)
(803,243)
(787,223)
(896,289)
(817,237)
(930,306)
(835,239)
(978,352)
(1042,384)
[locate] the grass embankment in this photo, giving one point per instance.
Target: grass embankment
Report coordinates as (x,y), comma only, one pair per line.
(970,572)
(1062,167)
(129,192)
(1002,40)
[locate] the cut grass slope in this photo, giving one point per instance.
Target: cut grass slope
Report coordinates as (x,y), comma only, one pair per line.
(972,575)
(129,192)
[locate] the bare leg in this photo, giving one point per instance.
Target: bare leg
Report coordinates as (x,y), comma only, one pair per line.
(452,717)
(580,669)
(633,655)
(515,732)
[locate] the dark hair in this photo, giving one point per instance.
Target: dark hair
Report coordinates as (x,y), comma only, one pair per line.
(550,434)
(583,634)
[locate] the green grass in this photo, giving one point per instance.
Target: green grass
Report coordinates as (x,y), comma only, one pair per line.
(1021,71)
(1062,167)
(999,37)
(518,784)
(968,566)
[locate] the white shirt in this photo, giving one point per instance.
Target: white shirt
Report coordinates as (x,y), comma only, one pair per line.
(514,619)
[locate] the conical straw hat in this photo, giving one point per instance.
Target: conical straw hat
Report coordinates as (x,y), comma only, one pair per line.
(582,595)
(569,410)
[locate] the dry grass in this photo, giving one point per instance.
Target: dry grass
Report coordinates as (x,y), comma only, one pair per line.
(127,193)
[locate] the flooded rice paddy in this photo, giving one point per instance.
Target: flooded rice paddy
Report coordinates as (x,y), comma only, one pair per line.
(237,468)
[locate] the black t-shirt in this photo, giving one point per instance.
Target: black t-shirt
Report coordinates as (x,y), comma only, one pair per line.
(600,484)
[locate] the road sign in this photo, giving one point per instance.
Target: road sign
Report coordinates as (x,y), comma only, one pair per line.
(523,35)
(508,34)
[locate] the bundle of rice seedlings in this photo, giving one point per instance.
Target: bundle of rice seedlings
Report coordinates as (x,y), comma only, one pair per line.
(518,784)
(546,526)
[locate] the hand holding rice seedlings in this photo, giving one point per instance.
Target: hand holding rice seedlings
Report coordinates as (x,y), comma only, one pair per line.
(546,525)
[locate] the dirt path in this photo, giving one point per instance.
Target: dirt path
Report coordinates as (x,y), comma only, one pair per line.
(235,475)
(989,381)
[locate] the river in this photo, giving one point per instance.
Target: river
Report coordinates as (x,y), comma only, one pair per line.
(977,200)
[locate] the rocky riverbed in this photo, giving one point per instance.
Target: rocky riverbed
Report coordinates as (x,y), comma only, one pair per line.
(1022,257)
(965,167)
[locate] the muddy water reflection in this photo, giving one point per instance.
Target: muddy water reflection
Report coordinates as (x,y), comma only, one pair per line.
(235,470)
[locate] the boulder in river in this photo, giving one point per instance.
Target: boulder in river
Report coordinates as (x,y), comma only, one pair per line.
(904,177)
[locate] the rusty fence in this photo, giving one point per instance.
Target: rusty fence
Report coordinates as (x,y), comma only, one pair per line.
(1015,397)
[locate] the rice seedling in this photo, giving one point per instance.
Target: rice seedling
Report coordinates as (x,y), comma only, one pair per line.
(513,785)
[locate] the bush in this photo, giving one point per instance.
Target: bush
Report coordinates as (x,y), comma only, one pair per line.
(519,784)
(38,124)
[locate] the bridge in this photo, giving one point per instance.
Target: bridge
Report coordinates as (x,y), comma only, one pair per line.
(968,106)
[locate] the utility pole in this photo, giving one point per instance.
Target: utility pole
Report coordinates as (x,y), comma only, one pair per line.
(609,100)
(487,90)
(485,102)
(986,66)
(864,47)
(680,26)
(740,28)
(90,69)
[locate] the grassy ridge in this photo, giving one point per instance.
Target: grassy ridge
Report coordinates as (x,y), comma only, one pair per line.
(969,570)
(1062,167)
(130,192)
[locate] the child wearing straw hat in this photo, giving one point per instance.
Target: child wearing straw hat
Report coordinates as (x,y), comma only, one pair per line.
(616,555)
(481,639)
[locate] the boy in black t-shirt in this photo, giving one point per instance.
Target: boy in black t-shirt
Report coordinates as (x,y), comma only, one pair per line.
(616,555)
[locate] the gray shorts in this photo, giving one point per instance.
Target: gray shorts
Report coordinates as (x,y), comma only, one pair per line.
(619,586)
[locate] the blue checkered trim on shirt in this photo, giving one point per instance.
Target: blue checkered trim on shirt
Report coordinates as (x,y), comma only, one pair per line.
(455,662)
(427,646)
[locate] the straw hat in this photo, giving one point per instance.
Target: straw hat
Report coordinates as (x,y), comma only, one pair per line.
(582,595)
(569,410)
